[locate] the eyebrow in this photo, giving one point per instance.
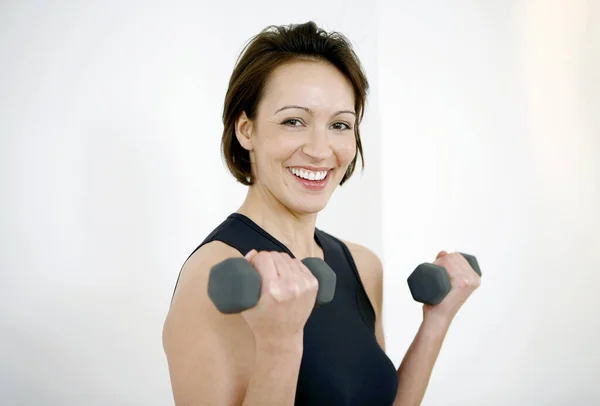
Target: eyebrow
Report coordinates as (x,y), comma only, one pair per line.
(309,111)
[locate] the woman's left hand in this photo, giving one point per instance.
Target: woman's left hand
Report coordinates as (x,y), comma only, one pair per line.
(463,279)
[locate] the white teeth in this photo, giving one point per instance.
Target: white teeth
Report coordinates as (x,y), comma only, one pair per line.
(310,175)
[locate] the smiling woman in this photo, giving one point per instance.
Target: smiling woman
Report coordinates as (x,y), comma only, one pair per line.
(303,128)
(291,134)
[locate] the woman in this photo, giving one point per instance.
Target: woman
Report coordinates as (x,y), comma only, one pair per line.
(291,133)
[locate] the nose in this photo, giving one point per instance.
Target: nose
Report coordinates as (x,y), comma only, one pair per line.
(318,146)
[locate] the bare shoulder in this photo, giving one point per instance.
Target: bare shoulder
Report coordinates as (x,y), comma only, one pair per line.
(196,334)
(195,271)
(370,270)
(368,263)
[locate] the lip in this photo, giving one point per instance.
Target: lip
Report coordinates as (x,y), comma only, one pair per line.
(312,185)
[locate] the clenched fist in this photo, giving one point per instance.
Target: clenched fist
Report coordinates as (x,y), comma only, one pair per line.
(463,279)
(287,298)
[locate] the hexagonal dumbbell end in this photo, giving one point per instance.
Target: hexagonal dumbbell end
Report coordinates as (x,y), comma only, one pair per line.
(234,285)
(326,277)
(429,284)
(473,262)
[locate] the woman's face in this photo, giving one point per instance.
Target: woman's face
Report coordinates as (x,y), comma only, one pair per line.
(302,139)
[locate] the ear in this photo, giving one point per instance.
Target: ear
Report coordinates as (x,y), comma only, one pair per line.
(243,131)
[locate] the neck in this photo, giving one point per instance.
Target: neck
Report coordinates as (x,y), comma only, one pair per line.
(295,230)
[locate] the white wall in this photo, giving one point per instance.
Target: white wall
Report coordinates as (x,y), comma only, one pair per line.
(111,175)
(481,135)
(491,132)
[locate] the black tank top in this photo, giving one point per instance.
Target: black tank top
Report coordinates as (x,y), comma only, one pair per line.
(342,363)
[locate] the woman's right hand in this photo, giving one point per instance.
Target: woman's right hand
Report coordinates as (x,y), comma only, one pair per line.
(287,298)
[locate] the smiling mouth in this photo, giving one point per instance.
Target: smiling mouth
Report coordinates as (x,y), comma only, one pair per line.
(314,180)
(308,174)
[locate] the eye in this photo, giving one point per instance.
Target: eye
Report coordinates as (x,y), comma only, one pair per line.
(292,122)
(341,126)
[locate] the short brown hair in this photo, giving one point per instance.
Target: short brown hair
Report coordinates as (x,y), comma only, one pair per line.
(273,47)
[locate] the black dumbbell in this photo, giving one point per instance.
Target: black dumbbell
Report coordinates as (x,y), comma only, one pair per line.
(430,283)
(234,285)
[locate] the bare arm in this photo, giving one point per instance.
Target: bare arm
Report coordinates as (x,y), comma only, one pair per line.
(415,370)
(213,358)
(275,377)
(196,340)
(416,367)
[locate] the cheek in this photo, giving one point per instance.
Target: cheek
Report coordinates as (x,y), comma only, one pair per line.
(272,150)
(345,150)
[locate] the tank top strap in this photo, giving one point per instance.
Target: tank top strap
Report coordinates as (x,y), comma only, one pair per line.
(241,233)
(339,258)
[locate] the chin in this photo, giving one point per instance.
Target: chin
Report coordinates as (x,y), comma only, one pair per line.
(308,207)
(302,201)
(314,209)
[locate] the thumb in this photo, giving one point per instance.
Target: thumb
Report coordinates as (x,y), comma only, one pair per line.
(250,255)
(441,254)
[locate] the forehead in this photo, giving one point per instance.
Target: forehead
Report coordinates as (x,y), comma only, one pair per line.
(314,84)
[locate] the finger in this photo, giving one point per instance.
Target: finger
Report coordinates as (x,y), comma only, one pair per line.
(456,263)
(302,274)
(461,270)
(306,271)
(461,264)
(303,269)
(441,254)
(264,265)
(301,278)
(311,280)
(286,276)
(469,273)
(250,255)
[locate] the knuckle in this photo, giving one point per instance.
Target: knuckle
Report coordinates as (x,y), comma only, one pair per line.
(471,282)
(304,280)
(274,291)
(443,260)
(307,283)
